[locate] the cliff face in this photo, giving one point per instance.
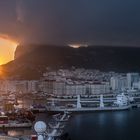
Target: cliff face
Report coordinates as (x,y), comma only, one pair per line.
(22,50)
(27,49)
(31,60)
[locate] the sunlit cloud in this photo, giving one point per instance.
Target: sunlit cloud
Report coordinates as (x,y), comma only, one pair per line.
(77,45)
(7,48)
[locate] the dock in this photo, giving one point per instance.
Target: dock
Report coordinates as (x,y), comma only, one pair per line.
(50,132)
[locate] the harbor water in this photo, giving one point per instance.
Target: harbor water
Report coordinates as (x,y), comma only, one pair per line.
(117,125)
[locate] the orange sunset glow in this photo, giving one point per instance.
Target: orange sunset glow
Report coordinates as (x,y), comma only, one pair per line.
(77,45)
(7,49)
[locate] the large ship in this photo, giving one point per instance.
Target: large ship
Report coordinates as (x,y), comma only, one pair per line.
(121,103)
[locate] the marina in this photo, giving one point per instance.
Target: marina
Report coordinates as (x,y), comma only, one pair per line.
(54,128)
(100,125)
(58,110)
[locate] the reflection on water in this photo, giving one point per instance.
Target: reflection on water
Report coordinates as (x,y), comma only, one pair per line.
(102,119)
(119,125)
(15,132)
(21,132)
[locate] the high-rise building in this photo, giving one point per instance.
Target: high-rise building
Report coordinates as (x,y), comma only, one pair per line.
(132,78)
(118,82)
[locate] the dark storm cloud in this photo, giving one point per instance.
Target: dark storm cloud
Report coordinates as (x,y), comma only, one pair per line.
(113,22)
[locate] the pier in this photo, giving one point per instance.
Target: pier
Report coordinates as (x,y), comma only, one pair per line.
(52,131)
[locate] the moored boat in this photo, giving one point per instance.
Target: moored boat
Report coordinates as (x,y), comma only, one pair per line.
(6,123)
(121,103)
(38,108)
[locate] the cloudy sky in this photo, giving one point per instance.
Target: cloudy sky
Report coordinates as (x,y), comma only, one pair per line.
(105,22)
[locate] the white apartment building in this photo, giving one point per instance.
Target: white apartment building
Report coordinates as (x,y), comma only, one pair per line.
(132,78)
(75,89)
(23,86)
(100,88)
(7,86)
(118,82)
(70,87)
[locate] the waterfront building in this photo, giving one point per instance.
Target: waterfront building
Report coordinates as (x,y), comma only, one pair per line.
(131,78)
(136,85)
(59,88)
(53,87)
(24,86)
(118,83)
(75,82)
(7,86)
(100,88)
(70,89)
(33,85)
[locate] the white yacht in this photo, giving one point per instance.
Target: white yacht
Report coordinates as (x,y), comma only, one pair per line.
(122,100)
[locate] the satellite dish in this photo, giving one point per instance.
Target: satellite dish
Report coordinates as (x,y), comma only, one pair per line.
(40,127)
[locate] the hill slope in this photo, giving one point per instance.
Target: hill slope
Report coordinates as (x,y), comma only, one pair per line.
(31,60)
